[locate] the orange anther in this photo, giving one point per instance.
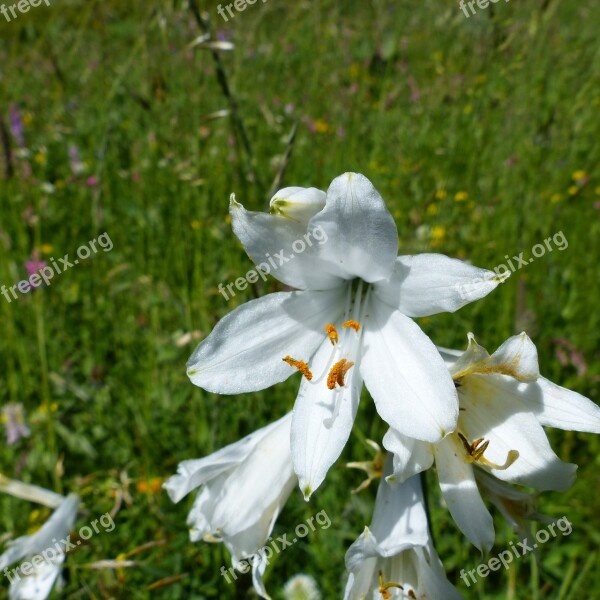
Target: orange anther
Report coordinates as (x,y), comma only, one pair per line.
(332,333)
(354,324)
(300,365)
(338,373)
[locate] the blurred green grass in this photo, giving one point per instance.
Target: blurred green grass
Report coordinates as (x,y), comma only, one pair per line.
(500,108)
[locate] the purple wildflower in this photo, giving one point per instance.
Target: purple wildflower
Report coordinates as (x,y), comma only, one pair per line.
(16,125)
(14,422)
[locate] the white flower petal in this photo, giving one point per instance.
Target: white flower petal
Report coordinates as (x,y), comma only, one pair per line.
(191,474)
(449,355)
(406,376)
(258,570)
(563,408)
(432,578)
(363,579)
(264,477)
(467,361)
(246,543)
(515,505)
(318,433)
(39,584)
(399,522)
(494,410)
(200,516)
(398,546)
(516,357)
(362,236)
(411,456)
(56,527)
(284,248)
(461,494)
(399,517)
(244,351)
(427,284)
(240,506)
(418,569)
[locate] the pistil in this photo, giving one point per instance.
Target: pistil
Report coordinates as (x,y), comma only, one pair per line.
(478,447)
(385,587)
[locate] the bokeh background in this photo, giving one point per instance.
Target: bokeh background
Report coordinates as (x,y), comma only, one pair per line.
(482,135)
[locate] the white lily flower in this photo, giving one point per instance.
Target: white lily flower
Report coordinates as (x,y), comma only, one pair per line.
(504,403)
(394,558)
(44,552)
(244,488)
(350,322)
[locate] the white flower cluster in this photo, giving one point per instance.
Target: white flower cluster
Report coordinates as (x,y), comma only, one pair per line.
(478,417)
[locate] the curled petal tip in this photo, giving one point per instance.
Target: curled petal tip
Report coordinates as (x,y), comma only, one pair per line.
(233,203)
(501,277)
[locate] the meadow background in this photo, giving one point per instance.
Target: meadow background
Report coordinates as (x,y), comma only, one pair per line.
(482,136)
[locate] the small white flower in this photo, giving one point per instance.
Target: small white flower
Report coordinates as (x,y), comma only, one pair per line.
(45,545)
(244,488)
(504,404)
(394,558)
(301,587)
(340,250)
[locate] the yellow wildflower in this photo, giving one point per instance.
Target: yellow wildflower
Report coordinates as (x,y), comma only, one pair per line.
(438,233)
(322,126)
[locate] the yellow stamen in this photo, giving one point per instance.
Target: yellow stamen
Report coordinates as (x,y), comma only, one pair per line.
(354,324)
(332,333)
(337,373)
(384,587)
(300,365)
